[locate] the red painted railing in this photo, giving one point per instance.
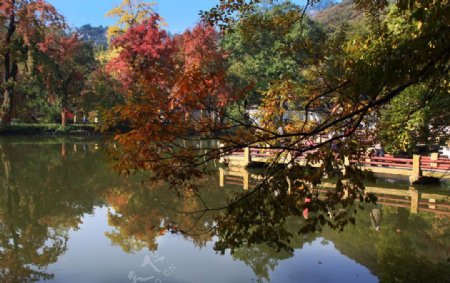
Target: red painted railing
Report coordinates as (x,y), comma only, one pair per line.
(386,161)
(440,164)
(426,162)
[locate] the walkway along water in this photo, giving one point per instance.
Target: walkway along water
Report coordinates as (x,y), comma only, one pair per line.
(415,168)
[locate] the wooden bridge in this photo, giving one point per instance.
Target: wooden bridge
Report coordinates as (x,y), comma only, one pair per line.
(413,199)
(415,167)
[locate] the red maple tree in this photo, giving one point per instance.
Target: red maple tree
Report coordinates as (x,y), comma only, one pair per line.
(167,81)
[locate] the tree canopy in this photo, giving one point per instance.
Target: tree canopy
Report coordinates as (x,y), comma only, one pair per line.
(38,52)
(351,76)
(272,44)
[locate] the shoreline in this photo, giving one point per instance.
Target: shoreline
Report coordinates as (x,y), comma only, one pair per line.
(88,130)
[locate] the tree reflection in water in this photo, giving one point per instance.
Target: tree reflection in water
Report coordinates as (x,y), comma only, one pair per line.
(141,215)
(261,232)
(40,203)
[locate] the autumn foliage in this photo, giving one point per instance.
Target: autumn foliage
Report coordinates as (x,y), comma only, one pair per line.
(37,46)
(167,81)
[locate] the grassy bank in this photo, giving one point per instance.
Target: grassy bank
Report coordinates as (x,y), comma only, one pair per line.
(49,129)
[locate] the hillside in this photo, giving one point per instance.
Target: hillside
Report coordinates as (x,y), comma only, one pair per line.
(338,14)
(96,35)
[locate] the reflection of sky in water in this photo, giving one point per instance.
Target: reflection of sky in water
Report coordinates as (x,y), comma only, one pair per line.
(318,262)
(91,258)
(59,189)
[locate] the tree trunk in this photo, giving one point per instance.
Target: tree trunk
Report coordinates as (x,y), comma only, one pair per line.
(6,107)
(64,104)
(65,100)
(63,117)
(10,70)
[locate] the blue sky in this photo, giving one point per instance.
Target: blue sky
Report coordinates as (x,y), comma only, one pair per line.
(179,14)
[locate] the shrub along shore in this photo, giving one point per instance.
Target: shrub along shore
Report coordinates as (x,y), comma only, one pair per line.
(49,129)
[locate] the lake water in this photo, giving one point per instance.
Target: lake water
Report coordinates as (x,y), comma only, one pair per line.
(65,216)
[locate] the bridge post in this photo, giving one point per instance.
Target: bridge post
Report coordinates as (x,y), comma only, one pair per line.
(246,180)
(414,200)
(346,183)
(221,177)
(346,160)
(247,156)
(221,157)
(416,165)
(346,164)
(288,158)
(416,172)
(434,157)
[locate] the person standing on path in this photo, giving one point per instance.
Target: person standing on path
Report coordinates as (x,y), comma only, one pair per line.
(379,152)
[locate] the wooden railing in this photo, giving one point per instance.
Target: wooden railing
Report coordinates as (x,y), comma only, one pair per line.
(433,162)
(386,161)
(410,166)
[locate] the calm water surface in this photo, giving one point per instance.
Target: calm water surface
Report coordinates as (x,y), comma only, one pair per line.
(65,216)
